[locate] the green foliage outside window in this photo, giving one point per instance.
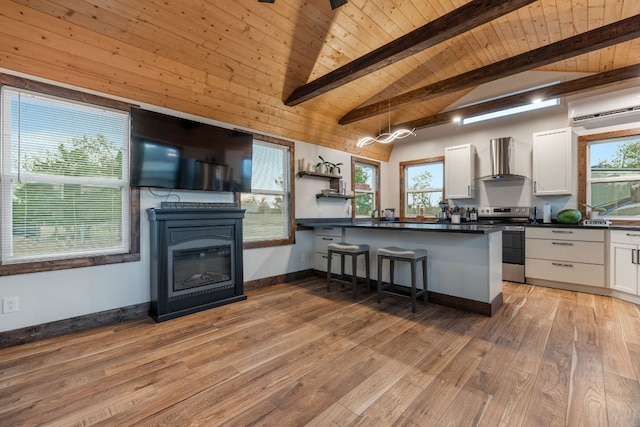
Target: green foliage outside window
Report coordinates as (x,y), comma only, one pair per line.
(615,177)
(364,193)
(67,217)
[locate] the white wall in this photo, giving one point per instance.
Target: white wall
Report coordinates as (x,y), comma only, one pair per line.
(432,142)
(307,206)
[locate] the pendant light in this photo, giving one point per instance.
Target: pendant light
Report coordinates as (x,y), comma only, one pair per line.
(386,137)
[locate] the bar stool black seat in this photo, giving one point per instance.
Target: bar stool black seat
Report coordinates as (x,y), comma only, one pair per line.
(412,256)
(354,250)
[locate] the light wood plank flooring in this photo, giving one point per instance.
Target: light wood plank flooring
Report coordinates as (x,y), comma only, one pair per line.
(294,355)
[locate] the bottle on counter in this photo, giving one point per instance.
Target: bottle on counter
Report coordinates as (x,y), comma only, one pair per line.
(474,214)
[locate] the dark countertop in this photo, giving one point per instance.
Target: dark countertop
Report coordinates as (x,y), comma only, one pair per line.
(446,227)
(403,226)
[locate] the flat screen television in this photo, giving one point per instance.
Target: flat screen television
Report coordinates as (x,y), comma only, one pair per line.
(171,152)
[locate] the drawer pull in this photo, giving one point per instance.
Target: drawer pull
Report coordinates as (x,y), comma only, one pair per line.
(559,264)
(562,231)
(562,243)
(633,235)
(327,238)
(327,228)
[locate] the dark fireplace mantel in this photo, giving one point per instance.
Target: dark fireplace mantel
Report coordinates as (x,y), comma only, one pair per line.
(196,260)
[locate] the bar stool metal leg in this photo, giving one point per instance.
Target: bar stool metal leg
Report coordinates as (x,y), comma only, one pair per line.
(413,286)
(368,274)
(354,275)
(329,256)
(379,279)
(425,297)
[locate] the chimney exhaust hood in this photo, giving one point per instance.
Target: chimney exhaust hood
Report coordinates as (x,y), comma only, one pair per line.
(502,160)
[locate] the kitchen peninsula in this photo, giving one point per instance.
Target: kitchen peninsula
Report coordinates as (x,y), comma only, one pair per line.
(464,261)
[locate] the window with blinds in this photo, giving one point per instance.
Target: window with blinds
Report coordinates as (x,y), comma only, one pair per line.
(65,184)
(267,207)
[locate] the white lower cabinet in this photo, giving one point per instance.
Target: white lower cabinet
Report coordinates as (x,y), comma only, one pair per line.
(567,255)
(322,237)
(624,257)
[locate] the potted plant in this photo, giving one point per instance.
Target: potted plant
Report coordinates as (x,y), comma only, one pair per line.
(327,167)
(593,212)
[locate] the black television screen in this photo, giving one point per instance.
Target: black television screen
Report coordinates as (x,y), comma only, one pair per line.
(171,152)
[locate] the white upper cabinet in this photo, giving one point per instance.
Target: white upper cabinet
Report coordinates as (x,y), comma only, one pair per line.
(459,171)
(552,162)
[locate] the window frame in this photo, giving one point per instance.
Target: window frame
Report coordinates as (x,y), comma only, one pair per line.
(290,200)
(376,193)
(133,254)
(583,144)
(403,193)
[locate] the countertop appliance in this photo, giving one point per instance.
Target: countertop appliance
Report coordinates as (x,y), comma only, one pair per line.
(512,220)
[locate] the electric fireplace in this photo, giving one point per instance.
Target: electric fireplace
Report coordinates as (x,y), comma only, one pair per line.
(196,260)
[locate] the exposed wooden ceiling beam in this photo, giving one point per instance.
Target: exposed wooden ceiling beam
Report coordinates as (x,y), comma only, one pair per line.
(609,35)
(456,22)
(560,89)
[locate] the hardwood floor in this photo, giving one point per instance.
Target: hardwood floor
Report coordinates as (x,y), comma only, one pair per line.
(294,355)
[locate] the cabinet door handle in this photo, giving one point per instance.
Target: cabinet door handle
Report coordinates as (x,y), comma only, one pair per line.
(633,256)
(562,243)
(535,186)
(469,190)
(562,231)
(558,264)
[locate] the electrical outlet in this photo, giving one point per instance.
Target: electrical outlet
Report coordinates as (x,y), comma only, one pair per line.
(9,304)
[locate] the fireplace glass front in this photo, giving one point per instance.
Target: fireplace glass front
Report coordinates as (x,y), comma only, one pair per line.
(201,268)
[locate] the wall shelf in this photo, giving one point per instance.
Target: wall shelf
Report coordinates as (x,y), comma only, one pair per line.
(318,175)
(334,184)
(334,196)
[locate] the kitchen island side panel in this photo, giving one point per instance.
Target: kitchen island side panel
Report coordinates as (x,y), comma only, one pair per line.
(461,265)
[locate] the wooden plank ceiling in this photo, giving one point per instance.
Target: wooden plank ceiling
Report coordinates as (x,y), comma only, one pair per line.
(239,61)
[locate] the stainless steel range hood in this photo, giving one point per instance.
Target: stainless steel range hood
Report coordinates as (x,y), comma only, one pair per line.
(502,161)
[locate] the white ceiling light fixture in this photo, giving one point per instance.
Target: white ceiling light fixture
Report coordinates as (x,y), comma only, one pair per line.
(386,137)
(509,111)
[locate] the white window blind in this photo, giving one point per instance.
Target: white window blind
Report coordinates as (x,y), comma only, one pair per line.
(267,206)
(65,184)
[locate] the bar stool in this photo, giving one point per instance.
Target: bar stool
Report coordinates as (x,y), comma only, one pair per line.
(412,256)
(353,250)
